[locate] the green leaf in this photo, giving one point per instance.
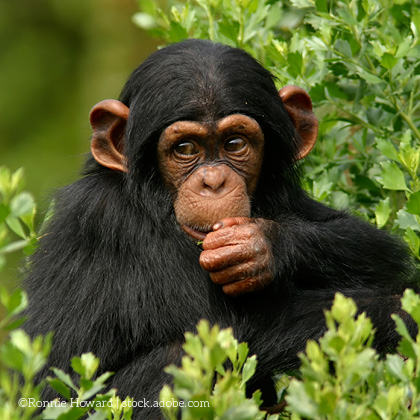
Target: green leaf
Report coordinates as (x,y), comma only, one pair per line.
(15,302)
(389,61)
(193,346)
(302,4)
(382,212)
(301,402)
(64,377)
(4,212)
(347,17)
(321,6)
(404,47)
(14,246)
(295,63)
(21,341)
(230,30)
(86,365)
(67,413)
(144,21)
(409,157)
(247,410)
(413,203)
(413,241)
(406,220)
(4,181)
(410,302)
(60,387)
(344,48)
(217,356)
(395,366)
(249,368)
(343,308)
(30,246)
(387,149)
(22,204)
(16,180)
(12,357)
(370,78)
(13,325)
(415,22)
(15,225)
(91,392)
(392,177)
(242,352)
(176,32)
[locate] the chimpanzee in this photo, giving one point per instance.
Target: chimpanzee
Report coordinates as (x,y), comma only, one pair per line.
(203,148)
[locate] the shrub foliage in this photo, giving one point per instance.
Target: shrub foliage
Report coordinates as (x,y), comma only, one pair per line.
(360,62)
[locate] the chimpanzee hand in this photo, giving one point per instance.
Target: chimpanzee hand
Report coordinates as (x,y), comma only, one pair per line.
(238,255)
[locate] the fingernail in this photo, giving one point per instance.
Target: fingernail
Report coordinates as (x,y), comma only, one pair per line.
(217,226)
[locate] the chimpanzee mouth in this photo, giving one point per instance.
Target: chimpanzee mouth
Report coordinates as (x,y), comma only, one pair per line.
(197,232)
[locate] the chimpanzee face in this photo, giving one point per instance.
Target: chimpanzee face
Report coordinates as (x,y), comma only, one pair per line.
(211,169)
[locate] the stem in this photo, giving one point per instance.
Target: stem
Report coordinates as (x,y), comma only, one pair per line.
(206,7)
(358,119)
(241,27)
(211,25)
(410,123)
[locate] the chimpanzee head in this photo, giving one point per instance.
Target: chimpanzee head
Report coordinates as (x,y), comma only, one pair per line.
(205,121)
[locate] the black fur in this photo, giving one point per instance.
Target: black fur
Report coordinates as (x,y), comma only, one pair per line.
(115,275)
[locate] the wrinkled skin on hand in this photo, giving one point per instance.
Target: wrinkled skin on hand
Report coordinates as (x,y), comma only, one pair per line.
(238,255)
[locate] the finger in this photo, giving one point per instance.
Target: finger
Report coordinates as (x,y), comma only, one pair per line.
(231,221)
(235,273)
(214,260)
(247,285)
(233,235)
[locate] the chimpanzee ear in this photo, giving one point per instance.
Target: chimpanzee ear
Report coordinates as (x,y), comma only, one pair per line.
(298,105)
(108,120)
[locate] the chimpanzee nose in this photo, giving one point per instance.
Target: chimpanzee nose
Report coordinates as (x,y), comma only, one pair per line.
(214,178)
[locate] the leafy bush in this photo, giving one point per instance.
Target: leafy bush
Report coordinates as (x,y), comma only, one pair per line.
(17,214)
(360,62)
(344,378)
(207,353)
(22,358)
(19,358)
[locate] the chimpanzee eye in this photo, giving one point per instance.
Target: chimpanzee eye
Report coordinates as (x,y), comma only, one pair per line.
(186,148)
(234,145)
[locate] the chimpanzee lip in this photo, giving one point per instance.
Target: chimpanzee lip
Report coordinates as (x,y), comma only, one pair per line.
(196,232)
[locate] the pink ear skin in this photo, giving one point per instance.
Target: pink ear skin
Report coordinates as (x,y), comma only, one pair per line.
(108,120)
(298,105)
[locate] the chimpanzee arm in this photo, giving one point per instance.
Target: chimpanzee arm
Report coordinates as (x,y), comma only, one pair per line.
(339,252)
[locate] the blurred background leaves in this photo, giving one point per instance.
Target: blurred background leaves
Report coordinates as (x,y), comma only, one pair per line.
(58,58)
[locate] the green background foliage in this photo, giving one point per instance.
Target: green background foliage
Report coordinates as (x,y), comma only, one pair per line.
(360,62)
(58,58)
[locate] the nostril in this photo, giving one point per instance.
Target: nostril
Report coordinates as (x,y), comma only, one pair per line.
(213,182)
(214,178)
